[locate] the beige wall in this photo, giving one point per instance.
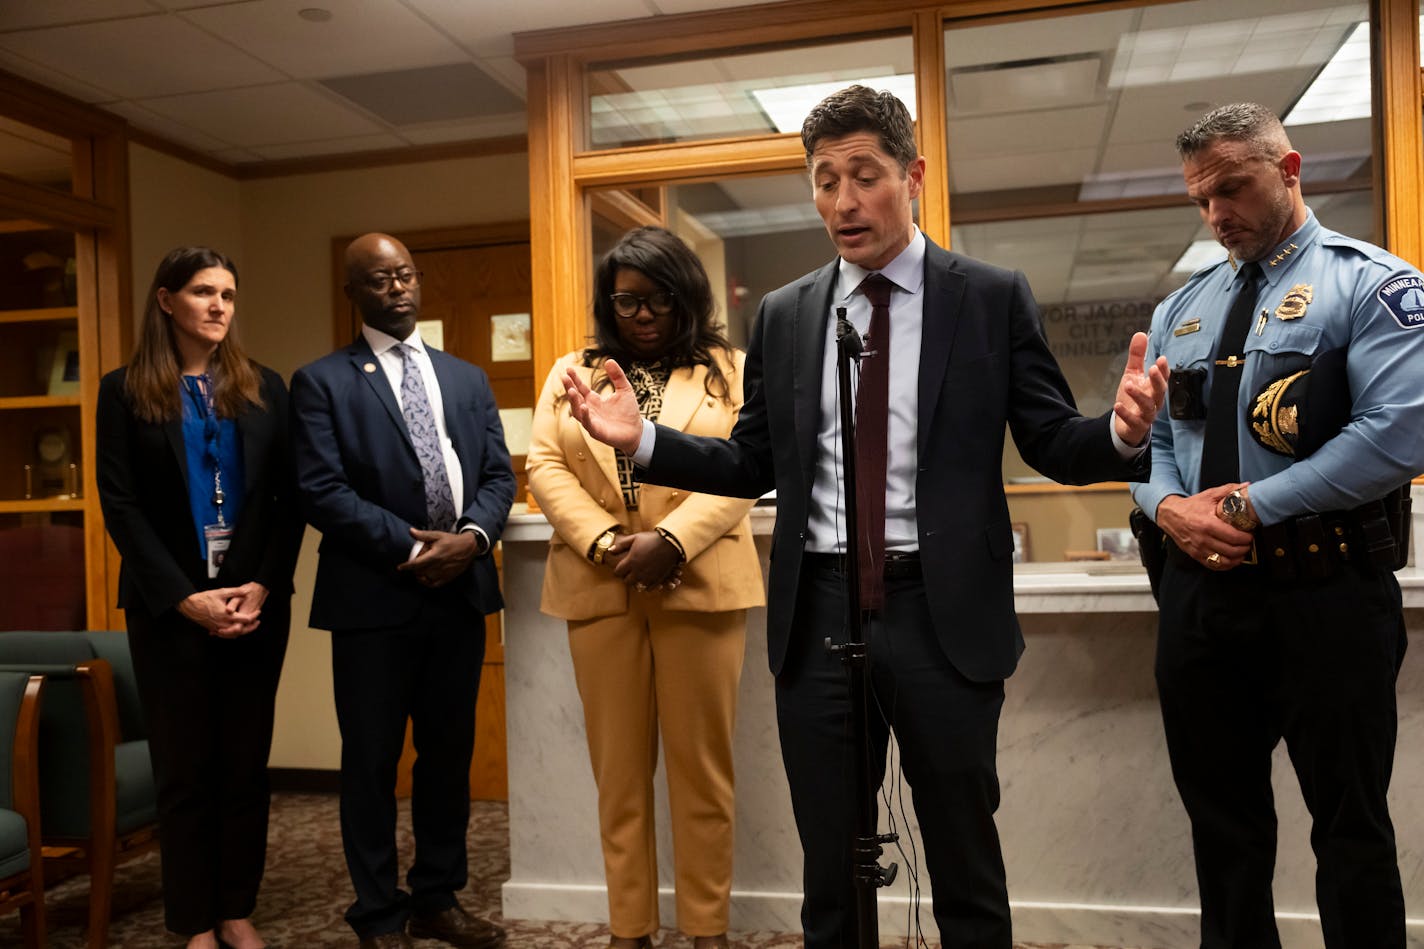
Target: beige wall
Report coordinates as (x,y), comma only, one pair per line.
(279,232)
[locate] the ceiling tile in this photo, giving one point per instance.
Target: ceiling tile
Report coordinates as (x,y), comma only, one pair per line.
(334,146)
(24,16)
(139,57)
(695,6)
(236,156)
(55,79)
(430,94)
(363,36)
(442,132)
(166,128)
(507,70)
(1022,133)
(265,115)
(486,28)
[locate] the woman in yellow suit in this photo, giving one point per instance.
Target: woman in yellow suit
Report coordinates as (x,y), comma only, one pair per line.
(655,585)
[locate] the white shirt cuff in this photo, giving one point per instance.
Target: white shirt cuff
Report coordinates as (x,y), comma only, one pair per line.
(644,455)
(1124,450)
(482,541)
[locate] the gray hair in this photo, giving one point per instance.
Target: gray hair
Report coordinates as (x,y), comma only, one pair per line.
(1247,122)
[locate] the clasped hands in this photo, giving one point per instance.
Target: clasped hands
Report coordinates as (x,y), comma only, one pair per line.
(443,556)
(226,612)
(1195,525)
(647,561)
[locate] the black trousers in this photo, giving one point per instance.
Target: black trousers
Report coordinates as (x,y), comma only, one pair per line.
(1243,663)
(946,726)
(427,671)
(209,704)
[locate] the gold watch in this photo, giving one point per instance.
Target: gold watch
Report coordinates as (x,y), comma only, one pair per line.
(602,545)
(1235,511)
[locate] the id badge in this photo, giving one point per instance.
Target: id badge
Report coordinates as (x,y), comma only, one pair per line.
(219,539)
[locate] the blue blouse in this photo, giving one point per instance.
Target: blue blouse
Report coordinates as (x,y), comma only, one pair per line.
(213,451)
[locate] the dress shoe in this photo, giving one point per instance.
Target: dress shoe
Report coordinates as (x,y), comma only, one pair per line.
(387,941)
(644,942)
(458,928)
(710,942)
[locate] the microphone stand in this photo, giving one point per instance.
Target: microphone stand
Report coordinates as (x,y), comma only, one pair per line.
(866,843)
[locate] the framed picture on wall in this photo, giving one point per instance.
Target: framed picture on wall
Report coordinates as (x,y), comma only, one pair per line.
(1021,549)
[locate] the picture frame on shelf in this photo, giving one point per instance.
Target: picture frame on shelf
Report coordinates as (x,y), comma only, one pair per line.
(1118,543)
(64,366)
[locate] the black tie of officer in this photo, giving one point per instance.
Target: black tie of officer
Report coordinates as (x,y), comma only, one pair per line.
(1221,463)
(872,423)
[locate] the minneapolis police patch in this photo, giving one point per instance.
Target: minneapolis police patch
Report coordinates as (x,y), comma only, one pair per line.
(1403,297)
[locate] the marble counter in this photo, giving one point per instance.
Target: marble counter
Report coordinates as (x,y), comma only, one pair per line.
(1095,840)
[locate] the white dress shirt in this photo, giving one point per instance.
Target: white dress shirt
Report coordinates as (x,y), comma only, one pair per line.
(384,346)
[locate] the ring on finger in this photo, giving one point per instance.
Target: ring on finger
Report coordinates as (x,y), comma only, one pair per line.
(1214,559)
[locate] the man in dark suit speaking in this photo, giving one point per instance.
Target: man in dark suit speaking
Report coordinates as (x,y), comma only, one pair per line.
(403,468)
(966,357)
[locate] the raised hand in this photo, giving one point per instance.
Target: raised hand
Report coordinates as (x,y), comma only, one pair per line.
(1140,394)
(610,417)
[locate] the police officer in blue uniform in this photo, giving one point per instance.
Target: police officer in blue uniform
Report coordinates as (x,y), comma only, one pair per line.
(1296,423)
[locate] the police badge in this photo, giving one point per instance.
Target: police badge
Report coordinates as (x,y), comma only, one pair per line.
(1293,304)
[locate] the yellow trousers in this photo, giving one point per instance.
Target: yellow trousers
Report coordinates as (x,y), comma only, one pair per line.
(641,673)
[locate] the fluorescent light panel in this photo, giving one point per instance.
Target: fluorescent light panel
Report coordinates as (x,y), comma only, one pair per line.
(1199,255)
(1342,89)
(787,106)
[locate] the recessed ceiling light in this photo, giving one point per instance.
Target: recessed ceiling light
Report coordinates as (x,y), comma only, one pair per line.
(315,14)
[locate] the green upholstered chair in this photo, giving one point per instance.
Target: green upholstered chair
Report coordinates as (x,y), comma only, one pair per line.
(98,804)
(21,869)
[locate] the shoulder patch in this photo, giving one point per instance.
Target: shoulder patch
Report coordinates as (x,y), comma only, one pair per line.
(1403,297)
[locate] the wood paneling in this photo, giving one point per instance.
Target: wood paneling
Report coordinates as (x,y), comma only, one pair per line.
(1394,42)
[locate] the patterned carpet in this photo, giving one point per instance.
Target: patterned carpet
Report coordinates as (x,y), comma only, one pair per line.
(306,890)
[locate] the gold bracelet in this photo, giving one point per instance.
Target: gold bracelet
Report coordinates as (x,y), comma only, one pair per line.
(667,535)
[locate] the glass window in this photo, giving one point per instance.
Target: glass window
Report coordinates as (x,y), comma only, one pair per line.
(1061,164)
(35,156)
(749,93)
(753,234)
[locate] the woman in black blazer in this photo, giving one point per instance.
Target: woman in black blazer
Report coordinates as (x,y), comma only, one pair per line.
(195,481)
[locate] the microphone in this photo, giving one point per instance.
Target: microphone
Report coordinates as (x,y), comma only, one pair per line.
(847,338)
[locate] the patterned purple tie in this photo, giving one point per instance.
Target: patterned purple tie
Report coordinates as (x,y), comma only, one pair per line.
(872,409)
(420,421)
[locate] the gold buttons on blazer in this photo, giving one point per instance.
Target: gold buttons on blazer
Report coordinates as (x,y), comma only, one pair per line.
(579,454)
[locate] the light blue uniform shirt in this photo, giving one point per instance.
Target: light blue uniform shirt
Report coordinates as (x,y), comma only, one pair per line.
(1364,300)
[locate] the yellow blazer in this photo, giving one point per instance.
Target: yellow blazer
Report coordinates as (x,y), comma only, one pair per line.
(575,480)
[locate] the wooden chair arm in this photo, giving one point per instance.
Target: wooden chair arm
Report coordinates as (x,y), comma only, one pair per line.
(25,776)
(97,686)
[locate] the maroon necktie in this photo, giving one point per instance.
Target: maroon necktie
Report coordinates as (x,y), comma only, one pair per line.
(872,408)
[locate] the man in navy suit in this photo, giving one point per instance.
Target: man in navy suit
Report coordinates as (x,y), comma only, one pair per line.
(403,468)
(967,359)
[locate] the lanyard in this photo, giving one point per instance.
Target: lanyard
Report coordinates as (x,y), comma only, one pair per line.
(201,390)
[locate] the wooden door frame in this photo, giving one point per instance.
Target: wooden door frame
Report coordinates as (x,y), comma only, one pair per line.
(344,321)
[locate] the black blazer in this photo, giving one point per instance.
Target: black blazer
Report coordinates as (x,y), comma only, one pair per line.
(362,487)
(142,470)
(984,365)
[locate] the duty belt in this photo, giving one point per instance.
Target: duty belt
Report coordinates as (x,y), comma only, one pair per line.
(1315,546)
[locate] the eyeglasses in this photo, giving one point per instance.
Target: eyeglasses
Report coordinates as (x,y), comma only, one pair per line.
(381,282)
(627,305)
